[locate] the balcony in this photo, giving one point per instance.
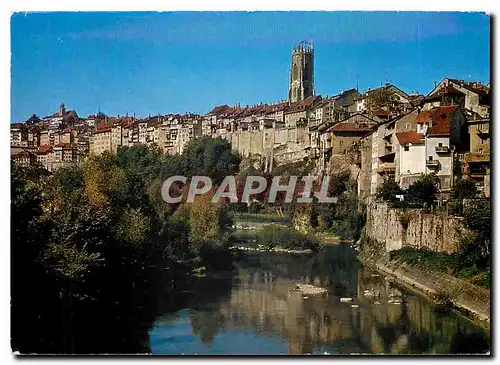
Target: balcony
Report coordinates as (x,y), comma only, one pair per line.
(442,149)
(386,167)
(483,128)
(432,163)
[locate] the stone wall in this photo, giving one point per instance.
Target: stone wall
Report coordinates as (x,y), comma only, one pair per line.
(420,230)
(286,144)
(343,162)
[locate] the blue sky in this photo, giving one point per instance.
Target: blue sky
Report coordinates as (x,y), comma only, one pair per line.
(191,61)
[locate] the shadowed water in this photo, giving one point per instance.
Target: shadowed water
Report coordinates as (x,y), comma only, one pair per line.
(254,311)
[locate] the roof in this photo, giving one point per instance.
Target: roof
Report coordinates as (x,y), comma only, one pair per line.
(103,126)
(390,87)
(273,108)
(469,85)
(351,127)
(379,112)
(409,137)
(355,123)
(106,124)
(321,127)
(303,104)
(472,116)
(444,90)
(438,119)
(65,146)
(44,148)
(476,157)
(220,109)
(416,99)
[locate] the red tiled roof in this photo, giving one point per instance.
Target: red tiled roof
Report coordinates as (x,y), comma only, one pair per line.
(304,104)
(439,120)
(104,126)
(221,109)
(409,137)
(351,127)
(67,130)
(275,108)
(44,148)
(379,112)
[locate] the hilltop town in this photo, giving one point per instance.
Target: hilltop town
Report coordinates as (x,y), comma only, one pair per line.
(382,132)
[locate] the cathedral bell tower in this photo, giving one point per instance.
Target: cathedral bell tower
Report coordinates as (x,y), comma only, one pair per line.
(301,72)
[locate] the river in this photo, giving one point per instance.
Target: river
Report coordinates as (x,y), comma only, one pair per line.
(253,311)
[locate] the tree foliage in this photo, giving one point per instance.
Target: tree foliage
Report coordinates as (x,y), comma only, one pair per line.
(464,189)
(388,191)
(100,230)
(424,190)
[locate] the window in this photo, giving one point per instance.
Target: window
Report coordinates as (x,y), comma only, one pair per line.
(430,158)
(295,72)
(440,144)
(407,147)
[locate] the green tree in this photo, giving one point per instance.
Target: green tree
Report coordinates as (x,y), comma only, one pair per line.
(424,190)
(211,157)
(464,189)
(388,191)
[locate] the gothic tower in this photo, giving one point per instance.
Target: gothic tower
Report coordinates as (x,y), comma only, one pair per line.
(301,72)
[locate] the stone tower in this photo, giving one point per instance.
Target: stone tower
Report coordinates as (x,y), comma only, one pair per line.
(301,72)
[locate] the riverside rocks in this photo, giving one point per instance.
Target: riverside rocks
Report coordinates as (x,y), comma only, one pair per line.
(345,300)
(308,289)
(261,248)
(244,228)
(372,294)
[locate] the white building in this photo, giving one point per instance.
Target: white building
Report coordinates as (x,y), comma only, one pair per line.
(410,157)
(443,130)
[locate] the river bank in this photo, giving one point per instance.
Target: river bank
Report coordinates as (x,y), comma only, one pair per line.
(270,304)
(468,299)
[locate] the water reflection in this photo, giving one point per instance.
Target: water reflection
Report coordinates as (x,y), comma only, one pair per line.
(256,312)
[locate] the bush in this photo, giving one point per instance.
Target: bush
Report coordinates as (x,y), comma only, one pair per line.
(437,261)
(455,207)
(482,279)
(464,189)
(424,190)
(388,191)
(350,218)
(463,264)
(478,219)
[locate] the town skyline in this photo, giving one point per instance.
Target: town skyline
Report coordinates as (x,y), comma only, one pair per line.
(65,43)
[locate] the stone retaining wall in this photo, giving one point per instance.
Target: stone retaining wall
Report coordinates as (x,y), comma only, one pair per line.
(474,300)
(398,228)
